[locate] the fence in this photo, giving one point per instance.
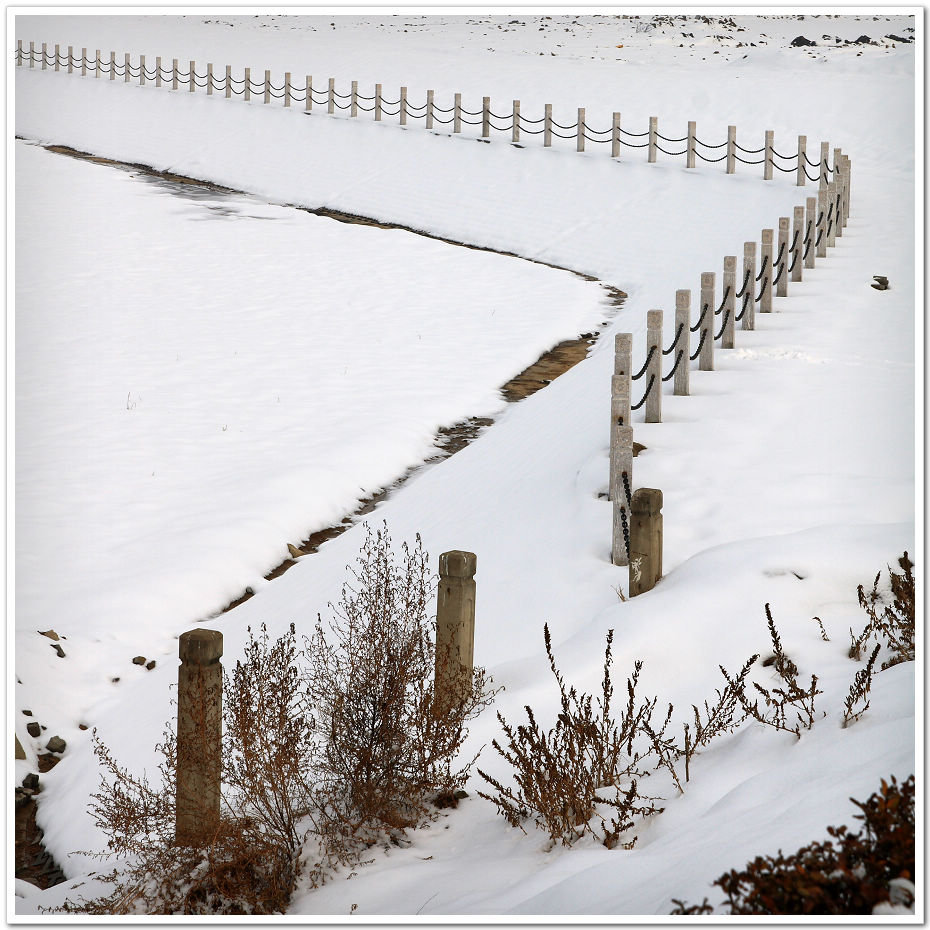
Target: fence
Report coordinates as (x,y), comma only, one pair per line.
(456,116)
(814,229)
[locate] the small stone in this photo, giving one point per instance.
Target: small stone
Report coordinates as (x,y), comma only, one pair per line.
(20,753)
(150,665)
(56,744)
(51,634)
(31,781)
(295,553)
(27,713)
(460,794)
(33,728)
(115,680)
(59,650)
(139,660)
(82,726)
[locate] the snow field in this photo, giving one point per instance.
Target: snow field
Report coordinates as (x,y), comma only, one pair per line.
(795,457)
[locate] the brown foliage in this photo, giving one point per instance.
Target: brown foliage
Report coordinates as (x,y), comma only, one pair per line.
(890,625)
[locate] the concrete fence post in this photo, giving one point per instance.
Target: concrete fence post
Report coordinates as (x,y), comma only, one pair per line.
(728,330)
(377,103)
(824,163)
(485,117)
(731,149)
(32,53)
(653,374)
(547,126)
(749,276)
(193,77)
(579,144)
(44,53)
(353,99)
(209,79)
(832,214)
(247,95)
(653,137)
(782,270)
(645,540)
(403,106)
(267,97)
(692,133)
(308,94)
(768,271)
(142,70)
(797,239)
(174,73)
(455,628)
(457,113)
(769,157)
(19,53)
(823,200)
(199,736)
(810,232)
(621,479)
(515,119)
(683,325)
(70,58)
(706,330)
(158,73)
(615,136)
(228,82)
(331,97)
(84,63)
(802,157)
(126,72)
(287,88)
(429,109)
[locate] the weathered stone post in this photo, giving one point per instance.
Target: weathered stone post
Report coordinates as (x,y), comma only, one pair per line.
(455,628)
(823,200)
(19,53)
(654,367)
(457,114)
(377,103)
(579,144)
(797,238)
(353,97)
(653,137)
(174,73)
(247,92)
(621,444)
(142,70)
(209,78)
(645,540)
(402,106)
(768,157)
(692,133)
(731,149)
(199,739)
(193,77)
(727,338)
(832,216)
(228,82)
(126,70)
(44,53)
(615,136)
(287,88)
(749,295)
(683,326)
(515,119)
(308,91)
(824,163)
(430,95)
(485,117)
(84,64)
(547,126)
(158,74)
(267,98)
(802,156)
(768,271)
(782,272)
(331,97)
(706,329)
(810,233)
(70,58)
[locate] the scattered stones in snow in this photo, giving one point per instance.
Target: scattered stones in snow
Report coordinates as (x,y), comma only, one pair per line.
(150,665)
(801,40)
(58,649)
(56,744)
(880,283)
(27,713)
(33,728)
(899,39)
(31,781)
(51,634)
(82,726)
(139,660)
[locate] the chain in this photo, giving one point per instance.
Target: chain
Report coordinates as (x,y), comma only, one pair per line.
(642,370)
(652,379)
(671,374)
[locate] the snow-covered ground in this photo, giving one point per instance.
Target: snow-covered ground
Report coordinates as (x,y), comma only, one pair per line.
(331,354)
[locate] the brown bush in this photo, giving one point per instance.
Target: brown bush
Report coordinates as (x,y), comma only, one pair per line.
(890,625)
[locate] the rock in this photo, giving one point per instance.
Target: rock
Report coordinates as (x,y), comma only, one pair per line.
(82,726)
(51,634)
(22,800)
(56,744)
(150,665)
(19,753)
(899,39)
(59,650)
(880,278)
(139,660)
(863,40)
(294,551)
(27,713)
(800,40)
(31,781)
(33,728)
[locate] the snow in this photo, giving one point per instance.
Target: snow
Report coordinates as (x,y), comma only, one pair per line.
(160,344)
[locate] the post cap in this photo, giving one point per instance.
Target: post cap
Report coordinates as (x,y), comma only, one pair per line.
(683,298)
(784,222)
(708,278)
(729,263)
(646,501)
(767,235)
(200,647)
(458,564)
(749,248)
(654,319)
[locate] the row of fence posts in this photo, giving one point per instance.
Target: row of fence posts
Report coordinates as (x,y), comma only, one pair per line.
(200,695)
(404,109)
(637,520)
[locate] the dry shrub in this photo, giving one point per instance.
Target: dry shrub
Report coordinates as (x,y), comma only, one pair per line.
(387,754)
(581,776)
(890,625)
(850,873)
